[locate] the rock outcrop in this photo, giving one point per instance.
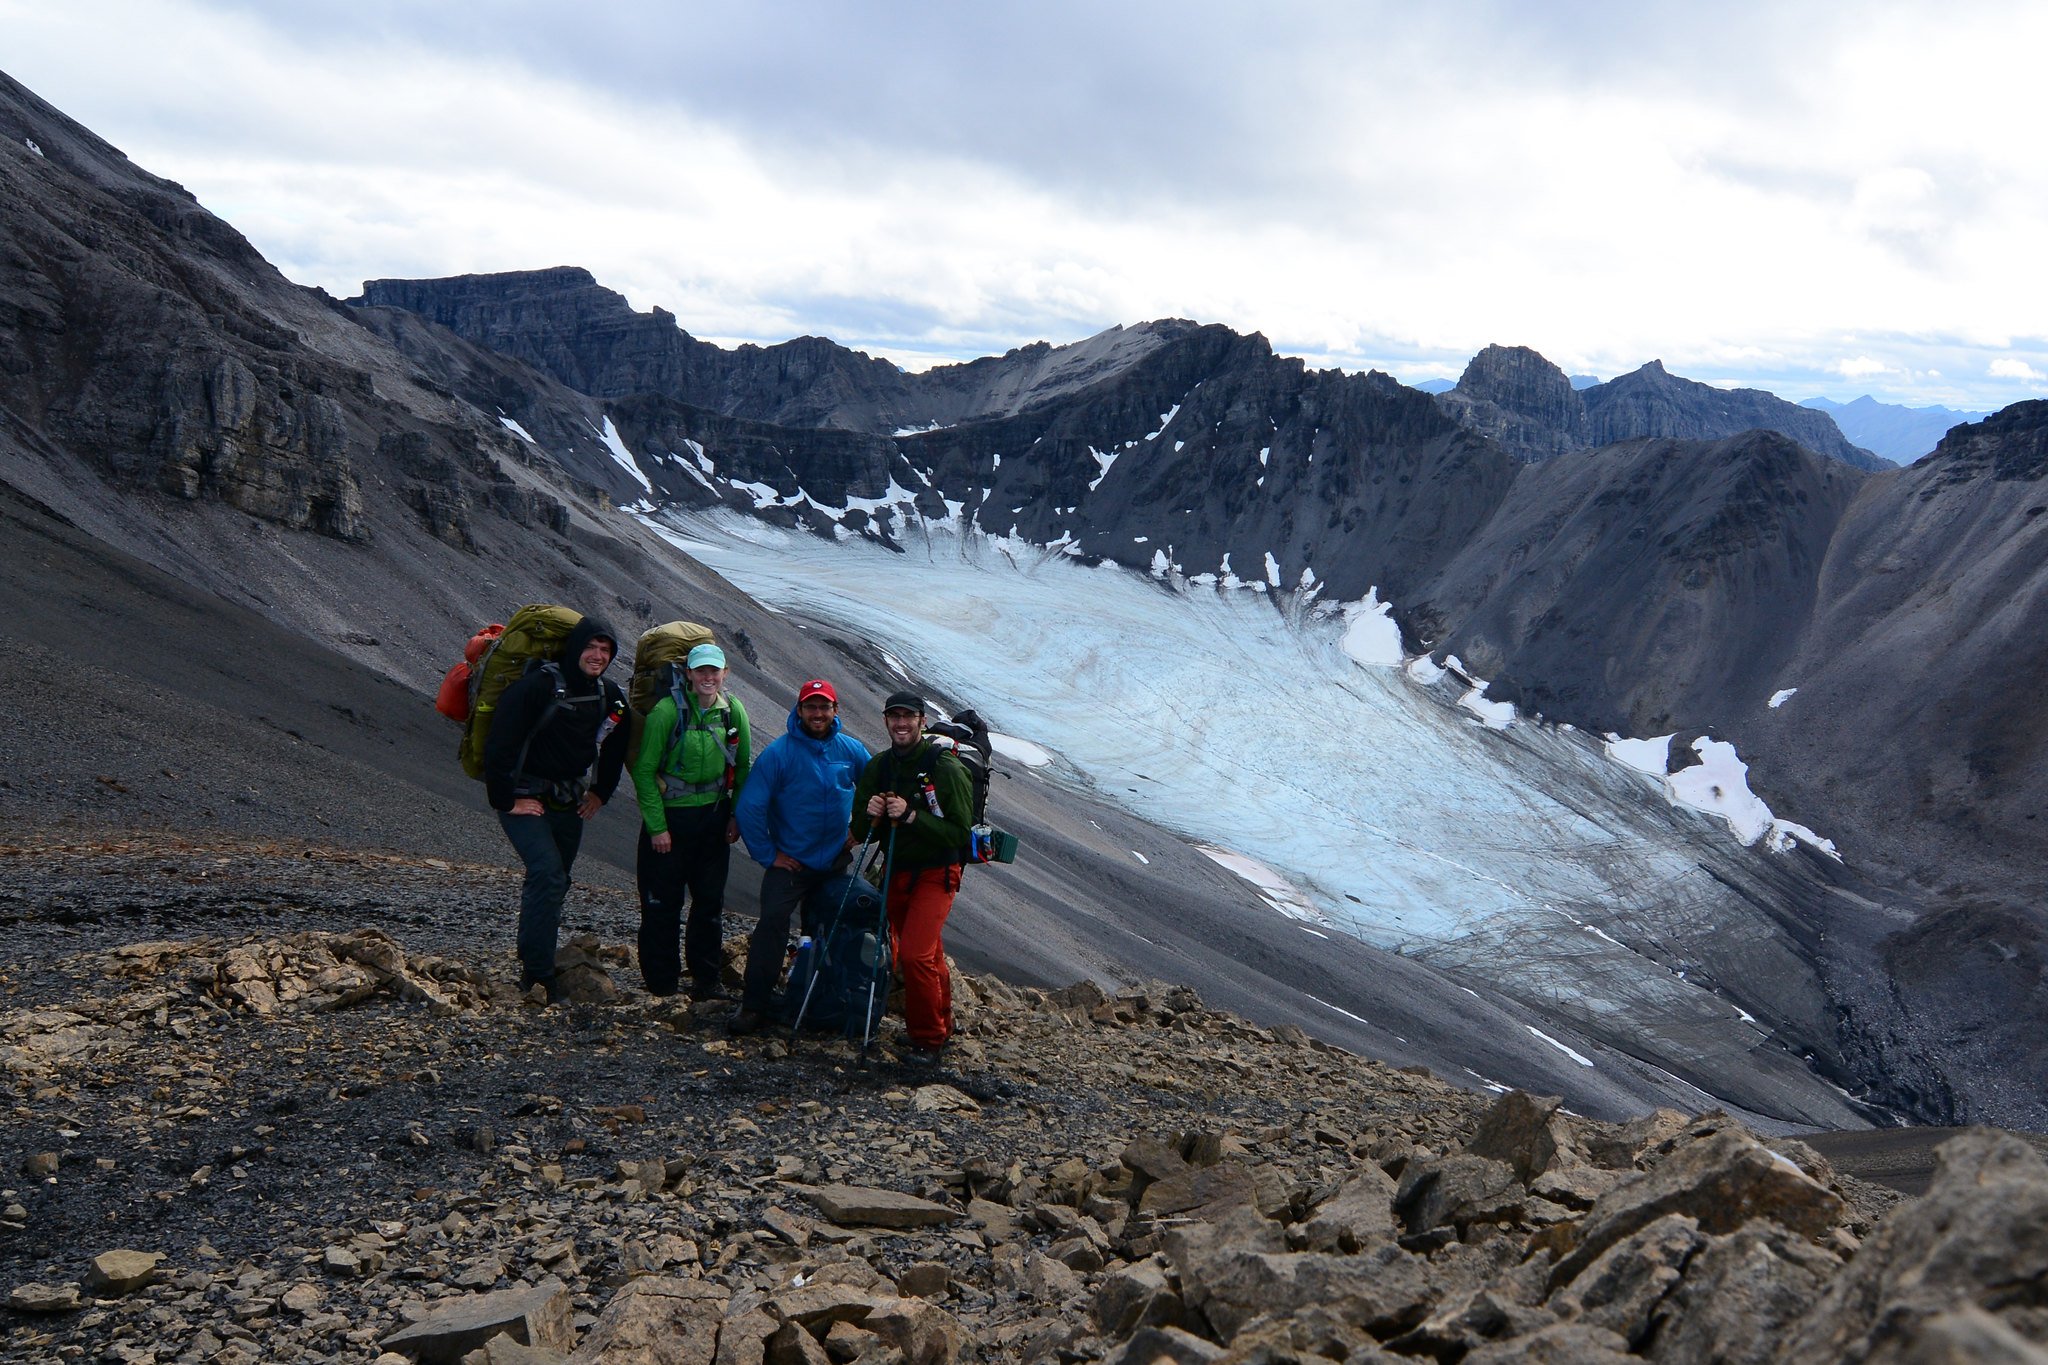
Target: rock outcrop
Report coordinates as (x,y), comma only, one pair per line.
(1516,397)
(1520,400)
(1652,401)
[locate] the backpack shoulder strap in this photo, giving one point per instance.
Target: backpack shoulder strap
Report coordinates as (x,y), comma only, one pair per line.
(561,693)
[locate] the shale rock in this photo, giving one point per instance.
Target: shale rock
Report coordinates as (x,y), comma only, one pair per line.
(656,1320)
(122,1272)
(1977,1239)
(539,1316)
(1723,1178)
(859,1205)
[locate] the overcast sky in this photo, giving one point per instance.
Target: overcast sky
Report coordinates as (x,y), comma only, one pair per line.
(1811,198)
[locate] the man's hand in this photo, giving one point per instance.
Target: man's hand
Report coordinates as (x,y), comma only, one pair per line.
(661,843)
(732,831)
(526,805)
(590,805)
(894,806)
(876,805)
(787,863)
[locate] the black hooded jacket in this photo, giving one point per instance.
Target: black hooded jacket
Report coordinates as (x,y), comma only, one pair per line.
(589,726)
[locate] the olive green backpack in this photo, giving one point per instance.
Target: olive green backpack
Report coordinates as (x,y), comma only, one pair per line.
(536,633)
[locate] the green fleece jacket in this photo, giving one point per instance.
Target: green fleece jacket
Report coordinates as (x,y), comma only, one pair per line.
(930,838)
(699,761)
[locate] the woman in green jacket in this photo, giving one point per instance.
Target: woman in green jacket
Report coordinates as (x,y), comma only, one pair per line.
(690,767)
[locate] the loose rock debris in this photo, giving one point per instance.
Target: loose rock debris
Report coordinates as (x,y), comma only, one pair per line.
(318,1145)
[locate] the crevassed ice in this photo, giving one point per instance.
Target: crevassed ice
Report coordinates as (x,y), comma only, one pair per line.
(1239,720)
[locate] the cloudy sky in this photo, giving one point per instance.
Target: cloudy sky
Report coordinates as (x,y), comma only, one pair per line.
(1811,198)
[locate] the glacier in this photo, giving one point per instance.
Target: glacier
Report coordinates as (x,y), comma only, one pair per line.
(1258,724)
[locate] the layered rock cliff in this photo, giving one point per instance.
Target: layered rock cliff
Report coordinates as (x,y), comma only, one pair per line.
(1517,398)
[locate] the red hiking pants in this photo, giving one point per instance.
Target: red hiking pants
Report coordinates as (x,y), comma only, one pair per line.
(918,905)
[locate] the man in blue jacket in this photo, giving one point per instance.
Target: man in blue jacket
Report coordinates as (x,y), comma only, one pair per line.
(794,813)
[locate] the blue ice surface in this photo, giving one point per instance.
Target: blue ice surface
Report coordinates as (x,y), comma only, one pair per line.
(1237,719)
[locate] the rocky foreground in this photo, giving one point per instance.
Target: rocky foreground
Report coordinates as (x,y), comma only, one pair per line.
(274,1103)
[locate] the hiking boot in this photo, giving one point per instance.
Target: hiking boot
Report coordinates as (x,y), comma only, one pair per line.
(745,1021)
(700,992)
(923,1054)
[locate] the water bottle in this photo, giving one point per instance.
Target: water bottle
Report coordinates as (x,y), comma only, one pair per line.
(870,951)
(800,968)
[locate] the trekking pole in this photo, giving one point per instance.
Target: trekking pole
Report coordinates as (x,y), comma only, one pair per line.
(867,1018)
(818,943)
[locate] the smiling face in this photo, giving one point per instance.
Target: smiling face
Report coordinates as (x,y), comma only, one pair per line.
(816,714)
(596,656)
(904,726)
(706,681)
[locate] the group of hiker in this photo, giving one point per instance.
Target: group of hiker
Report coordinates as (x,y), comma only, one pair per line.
(552,758)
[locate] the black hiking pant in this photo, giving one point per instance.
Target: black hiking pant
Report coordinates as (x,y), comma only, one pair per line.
(783,893)
(547,844)
(696,863)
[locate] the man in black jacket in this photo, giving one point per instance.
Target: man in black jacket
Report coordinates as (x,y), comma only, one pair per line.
(552,728)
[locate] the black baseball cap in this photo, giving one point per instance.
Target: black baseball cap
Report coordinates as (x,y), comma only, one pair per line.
(903,701)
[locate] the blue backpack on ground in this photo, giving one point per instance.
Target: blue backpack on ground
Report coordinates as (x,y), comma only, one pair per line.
(841,983)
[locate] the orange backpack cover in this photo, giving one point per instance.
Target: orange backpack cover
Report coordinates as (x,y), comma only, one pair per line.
(453,699)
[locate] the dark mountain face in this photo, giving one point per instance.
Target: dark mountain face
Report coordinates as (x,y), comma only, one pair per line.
(1646,585)
(1520,400)
(565,324)
(1920,717)
(1653,402)
(1516,397)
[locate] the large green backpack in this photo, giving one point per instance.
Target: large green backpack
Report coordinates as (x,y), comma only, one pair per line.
(536,632)
(657,649)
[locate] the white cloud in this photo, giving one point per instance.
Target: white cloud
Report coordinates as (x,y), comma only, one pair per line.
(1858,367)
(1747,194)
(2007,368)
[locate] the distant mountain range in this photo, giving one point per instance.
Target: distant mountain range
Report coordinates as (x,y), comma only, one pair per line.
(1646,555)
(1535,410)
(1900,434)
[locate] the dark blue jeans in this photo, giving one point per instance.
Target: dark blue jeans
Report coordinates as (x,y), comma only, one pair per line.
(547,844)
(696,863)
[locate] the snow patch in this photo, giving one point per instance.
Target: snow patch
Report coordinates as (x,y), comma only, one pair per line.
(1274,889)
(1578,1057)
(1423,670)
(1495,715)
(1778,699)
(1339,1009)
(1719,785)
(1164,419)
(1141,857)
(1022,750)
(1652,756)
(521,432)
(1370,636)
(617,446)
(1102,464)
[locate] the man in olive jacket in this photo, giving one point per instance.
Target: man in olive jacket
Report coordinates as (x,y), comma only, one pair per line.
(924,794)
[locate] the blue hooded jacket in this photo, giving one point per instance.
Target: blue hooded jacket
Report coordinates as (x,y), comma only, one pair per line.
(799,797)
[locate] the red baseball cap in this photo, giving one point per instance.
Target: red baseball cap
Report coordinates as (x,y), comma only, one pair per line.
(817,687)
